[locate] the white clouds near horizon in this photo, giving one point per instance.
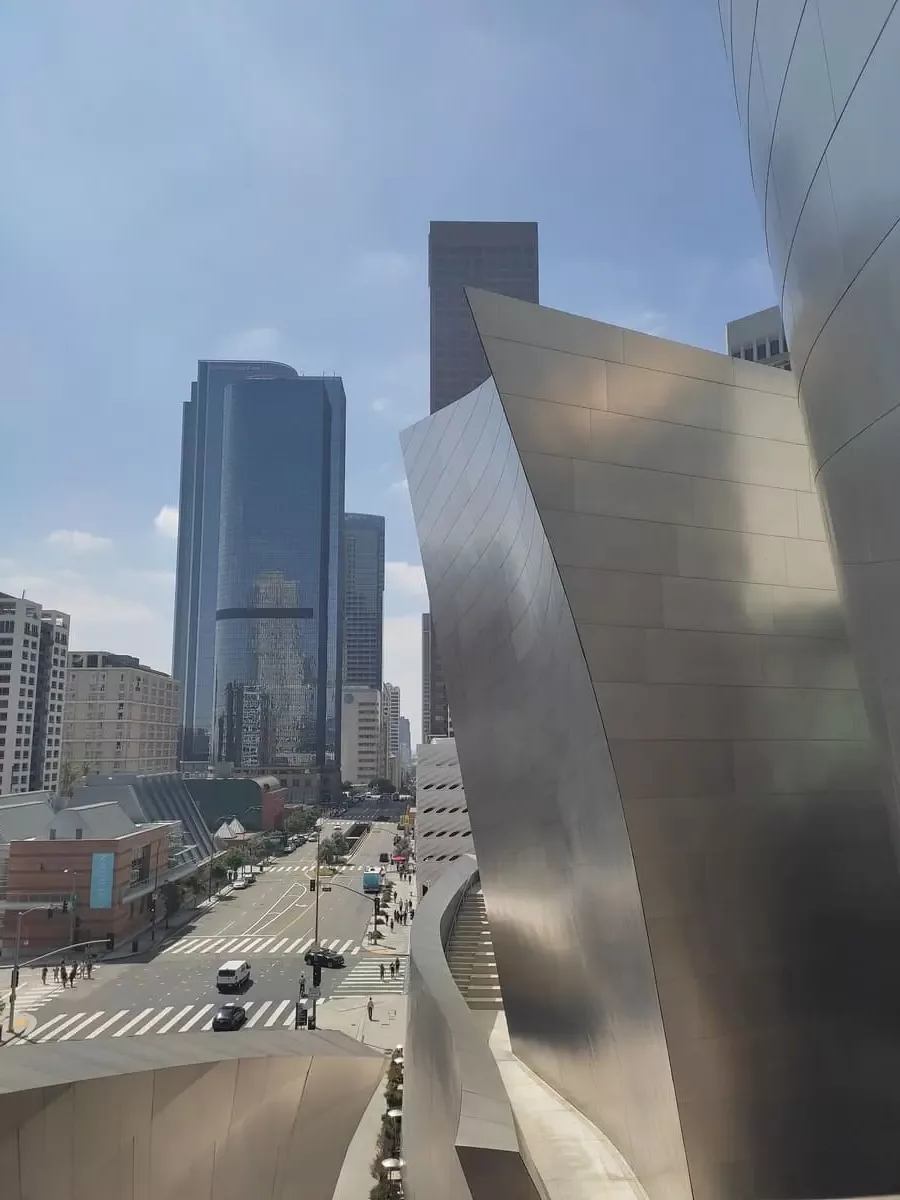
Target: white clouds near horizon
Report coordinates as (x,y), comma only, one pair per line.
(166,521)
(78,541)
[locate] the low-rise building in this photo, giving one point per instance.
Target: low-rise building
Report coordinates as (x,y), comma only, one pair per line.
(87,872)
(120,715)
(361,735)
(258,803)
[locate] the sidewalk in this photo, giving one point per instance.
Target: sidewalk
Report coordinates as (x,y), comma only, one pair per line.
(348,1015)
(398,941)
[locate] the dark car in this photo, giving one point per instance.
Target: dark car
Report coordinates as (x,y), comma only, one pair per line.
(318,956)
(229,1016)
(384,856)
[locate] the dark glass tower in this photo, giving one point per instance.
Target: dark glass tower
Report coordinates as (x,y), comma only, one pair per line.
(198,543)
(278,647)
(499,256)
(363,600)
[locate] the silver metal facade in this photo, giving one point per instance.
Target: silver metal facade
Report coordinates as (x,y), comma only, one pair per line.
(817,86)
(673,791)
(443,830)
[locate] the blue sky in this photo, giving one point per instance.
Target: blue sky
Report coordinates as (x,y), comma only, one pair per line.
(255,178)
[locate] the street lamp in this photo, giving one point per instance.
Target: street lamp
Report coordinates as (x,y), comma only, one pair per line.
(73,901)
(15,969)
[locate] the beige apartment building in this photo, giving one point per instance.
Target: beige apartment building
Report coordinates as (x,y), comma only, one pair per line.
(361,735)
(120,715)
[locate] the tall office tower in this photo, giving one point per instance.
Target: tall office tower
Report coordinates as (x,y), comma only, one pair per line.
(405,744)
(436,720)
(32,684)
(120,715)
(197,564)
(390,732)
(278,651)
(46,751)
(759,338)
(499,256)
(363,600)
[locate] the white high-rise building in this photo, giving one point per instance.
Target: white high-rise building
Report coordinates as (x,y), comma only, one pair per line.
(390,732)
(33,646)
(361,735)
(120,715)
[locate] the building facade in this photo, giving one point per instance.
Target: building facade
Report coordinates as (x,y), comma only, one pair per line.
(436,719)
(363,600)
(443,830)
(499,256)
(33,647)
(675,799)
(361,735)
(816,87)
(278,610)
(197,564)
(759,337)
(405,744)
(120,715)
(390,732)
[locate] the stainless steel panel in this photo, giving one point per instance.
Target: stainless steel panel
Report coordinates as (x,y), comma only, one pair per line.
(560,429)
(555,330)
(693,920)
(532,371)
(614,491)
(551,479)
(855,29)
(719,504)
(644,350)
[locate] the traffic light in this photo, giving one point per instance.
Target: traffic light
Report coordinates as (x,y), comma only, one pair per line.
(110,941)
(312,885)
(377,908)
(14,978)
(317,976)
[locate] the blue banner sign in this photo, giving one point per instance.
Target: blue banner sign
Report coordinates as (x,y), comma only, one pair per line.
(103,869)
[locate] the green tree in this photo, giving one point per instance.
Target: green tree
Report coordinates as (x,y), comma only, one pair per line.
(172,894)
(301,820)
(383,786)
(327,851)
(341,845)
(234,860)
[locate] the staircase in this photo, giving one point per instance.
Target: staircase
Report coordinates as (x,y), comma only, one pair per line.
(470,954)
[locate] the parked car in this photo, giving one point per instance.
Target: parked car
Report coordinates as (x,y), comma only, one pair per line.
(318,956)
(241,884)
(229,1016)
(384,857)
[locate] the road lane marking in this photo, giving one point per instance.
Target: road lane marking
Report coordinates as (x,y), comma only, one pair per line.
(343,949)
(214,945)
(142,1016)
(289,1023)
(78,1028)
(196,1017)
(277,946)
(71,1021)
(45,1028)
(356,950)
(276,1013)
(293,946)
(242,943)
(159,1016)
(229,945)
(174,1020)
(259,1012)
(106,1024)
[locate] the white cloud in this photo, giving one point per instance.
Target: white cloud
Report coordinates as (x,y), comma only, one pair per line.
(166,521)
(384,268)
(403,667)
(400,485)
(380,406)
(78,541)
(406,581)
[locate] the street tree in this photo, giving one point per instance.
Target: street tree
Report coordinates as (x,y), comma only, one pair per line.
(234,860)
(68,777)
(327,851)
(172,895)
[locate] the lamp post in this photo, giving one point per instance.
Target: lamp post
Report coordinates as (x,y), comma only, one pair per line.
(73,901)
(15,970)
(316,931)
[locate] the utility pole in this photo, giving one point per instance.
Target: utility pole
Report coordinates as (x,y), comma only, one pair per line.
(316,931)
(15,969)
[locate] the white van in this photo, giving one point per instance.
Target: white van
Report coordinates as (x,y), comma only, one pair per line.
(233,975)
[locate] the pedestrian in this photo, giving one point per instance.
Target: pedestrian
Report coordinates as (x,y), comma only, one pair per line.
(43,974)
(397,965)
(62,974)
(381,970)
(392,924)
(90,967)
(412,912)
(56,972)
(392,970)
(370,1008)
(72,976)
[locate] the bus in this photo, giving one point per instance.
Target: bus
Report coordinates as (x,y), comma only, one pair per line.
(371,881)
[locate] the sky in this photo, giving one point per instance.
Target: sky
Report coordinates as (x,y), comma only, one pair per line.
(188,179)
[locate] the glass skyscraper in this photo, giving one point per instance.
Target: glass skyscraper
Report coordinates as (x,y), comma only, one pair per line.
(278,645)
(499,256)
(198,544)
(363,599)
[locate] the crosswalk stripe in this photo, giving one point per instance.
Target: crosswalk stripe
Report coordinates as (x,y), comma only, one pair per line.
(356,950)
(43,1028)
(343,949)
(196,1017)
(251,945)
(106,1024)
(276,1013)
(186,944)
(153,1020)
(288,1023)
(70,1021)
(277,946)
(266,1004)
(293,946)
(134,1021)
(174,1020)
(240,943)
(229,945)
(214,944)
(72,1030)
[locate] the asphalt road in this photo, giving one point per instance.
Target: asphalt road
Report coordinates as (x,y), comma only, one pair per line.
(270,924)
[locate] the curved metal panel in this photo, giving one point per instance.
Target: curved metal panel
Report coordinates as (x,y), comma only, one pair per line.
(671,781)
(459,1133)
(834,169)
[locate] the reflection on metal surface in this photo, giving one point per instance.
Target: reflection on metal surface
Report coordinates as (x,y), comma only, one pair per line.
(459,1134)
(672,787)
(818,88)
